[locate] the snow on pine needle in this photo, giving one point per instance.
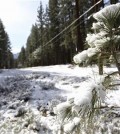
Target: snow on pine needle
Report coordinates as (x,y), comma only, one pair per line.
(69,127)
(81,105)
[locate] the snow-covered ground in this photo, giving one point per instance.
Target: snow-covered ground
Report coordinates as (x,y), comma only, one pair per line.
(28,96)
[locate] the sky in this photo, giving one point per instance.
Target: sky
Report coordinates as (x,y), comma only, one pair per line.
(18,17)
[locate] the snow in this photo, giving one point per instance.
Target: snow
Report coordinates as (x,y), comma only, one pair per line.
(80,57)
(92,51)
(97,25)
(83,97)
(69,127)
(47,91)
(76,121)
(113,98)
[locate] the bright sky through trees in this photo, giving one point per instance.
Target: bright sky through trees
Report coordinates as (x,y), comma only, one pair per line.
(18,17)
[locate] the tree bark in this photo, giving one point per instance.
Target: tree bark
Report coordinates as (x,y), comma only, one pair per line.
(100,64)
(116,62)
(97,7)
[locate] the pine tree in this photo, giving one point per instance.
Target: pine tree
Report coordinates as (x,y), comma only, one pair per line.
(22,57)
(9,60)
(46,38)
(43,25)
(5,48)
(40,22)
(28,51)
(3,44)
(67,39)
(32,44)
(54,30)
(105,38)
(35,37)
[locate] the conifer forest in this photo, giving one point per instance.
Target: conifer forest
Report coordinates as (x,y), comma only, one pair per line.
(58,33)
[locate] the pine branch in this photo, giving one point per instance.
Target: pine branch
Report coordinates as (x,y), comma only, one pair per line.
(103,107)
(118,84)
(113,73)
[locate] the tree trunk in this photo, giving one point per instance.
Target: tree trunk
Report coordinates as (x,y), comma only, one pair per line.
(116,62)
(79,40)
(97,7)
(102,4)
(100,64)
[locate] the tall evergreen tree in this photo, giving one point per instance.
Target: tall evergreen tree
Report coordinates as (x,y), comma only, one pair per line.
(32,44)
(40,22)
(9,60)
(22,57)
(5,49)
(43,25)
(3,44)
(35,38)
(54,30)
(67,39)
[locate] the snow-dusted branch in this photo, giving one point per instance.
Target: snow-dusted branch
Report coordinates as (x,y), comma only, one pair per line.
(105,38)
